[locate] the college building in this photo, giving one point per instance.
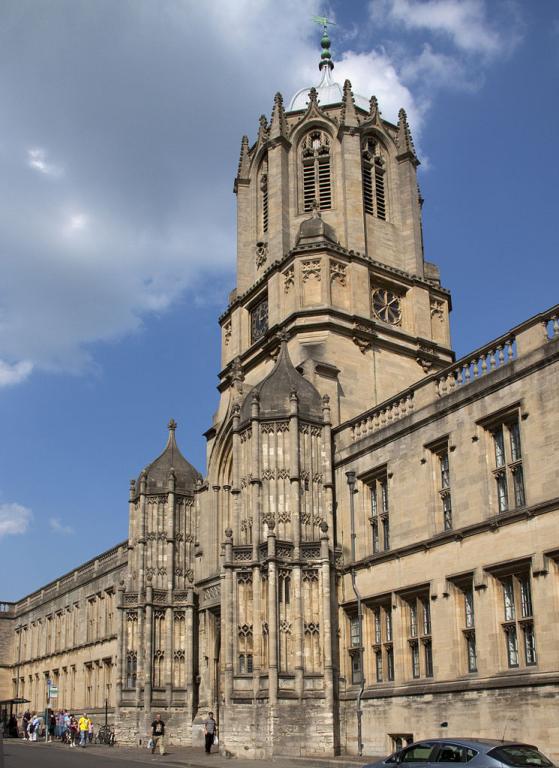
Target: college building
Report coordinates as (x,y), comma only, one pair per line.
(372,554)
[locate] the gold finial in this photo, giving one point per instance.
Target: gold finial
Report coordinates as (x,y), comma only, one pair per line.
(172,425)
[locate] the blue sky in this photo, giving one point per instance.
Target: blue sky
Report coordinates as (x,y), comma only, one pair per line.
(120,127)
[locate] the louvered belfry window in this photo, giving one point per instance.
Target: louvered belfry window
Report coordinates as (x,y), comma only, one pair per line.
(374,192)
(317,177)
(263,185)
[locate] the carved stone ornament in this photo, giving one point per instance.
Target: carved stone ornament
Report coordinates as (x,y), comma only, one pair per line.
(338,272)
(261,253)
(311,270)
(437,309)
(288,279)
(227,333)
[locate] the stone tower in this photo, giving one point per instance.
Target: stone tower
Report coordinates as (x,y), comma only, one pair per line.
(335,310)
(157,622)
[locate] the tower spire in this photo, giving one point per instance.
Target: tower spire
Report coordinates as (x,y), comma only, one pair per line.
(325,56)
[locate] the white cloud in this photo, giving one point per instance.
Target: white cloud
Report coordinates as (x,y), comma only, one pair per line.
(37,159)
(58,526)
(465,22)
(14,519)
(15,373)
(152,135)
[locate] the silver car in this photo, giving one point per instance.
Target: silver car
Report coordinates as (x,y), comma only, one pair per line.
(478,753)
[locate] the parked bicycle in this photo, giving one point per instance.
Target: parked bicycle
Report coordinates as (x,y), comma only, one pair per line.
(105,735)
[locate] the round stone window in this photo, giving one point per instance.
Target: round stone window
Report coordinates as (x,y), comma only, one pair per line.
(387,306)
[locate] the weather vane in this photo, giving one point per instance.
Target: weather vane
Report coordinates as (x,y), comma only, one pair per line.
(324,22)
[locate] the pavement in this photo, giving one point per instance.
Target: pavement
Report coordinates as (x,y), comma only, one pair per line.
(23,754)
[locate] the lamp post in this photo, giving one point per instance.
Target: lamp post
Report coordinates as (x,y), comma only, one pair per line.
(350,475)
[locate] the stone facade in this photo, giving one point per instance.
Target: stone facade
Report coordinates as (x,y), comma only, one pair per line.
(373,550)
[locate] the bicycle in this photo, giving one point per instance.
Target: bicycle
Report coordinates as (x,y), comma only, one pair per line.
(105,735)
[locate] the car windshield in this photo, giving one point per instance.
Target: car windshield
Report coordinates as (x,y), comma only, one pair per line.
(520,755)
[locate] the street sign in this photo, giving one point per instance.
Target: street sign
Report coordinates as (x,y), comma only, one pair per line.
(53,692)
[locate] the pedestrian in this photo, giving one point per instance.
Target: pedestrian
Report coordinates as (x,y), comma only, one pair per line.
(12,726)
(83,728)
(90,731)
(73,731)
(25,723)
(210,731)
(33,727)
(158,735)
(51,725)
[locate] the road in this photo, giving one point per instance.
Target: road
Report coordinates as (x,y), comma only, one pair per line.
(22,754)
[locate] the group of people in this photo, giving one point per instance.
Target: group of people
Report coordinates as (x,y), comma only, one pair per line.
(157,738)
(60,725)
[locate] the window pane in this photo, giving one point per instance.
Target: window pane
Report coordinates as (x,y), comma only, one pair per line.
(512,646)
(419,753)
(355,632)
(453,753)
(415,660)
(386,533)
(428,660)
(384,492)
(413,621)
(472,658)
(502,494)
(390,663)
(378,629)
(508,595)
(518,480)
(469,607)
(515,449)
(520,755)
(447,511)
(499,447)
(378,662)
(525,597)
(426,617)
(445,476)
(530,644)
(388,625)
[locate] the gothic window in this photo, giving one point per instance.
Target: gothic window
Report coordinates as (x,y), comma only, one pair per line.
(386,305)
(159,637)
(468,626)
(263,198)
(316,169)
(356,649)
(380,519)
(179,653)
(440,452)
(374,173)
(245,633)
(518,624)
(259,320)
(508,473)
(383,643)
(419,635)
(285,628)
(311,607)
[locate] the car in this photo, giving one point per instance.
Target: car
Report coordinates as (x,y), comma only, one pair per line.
(478,753)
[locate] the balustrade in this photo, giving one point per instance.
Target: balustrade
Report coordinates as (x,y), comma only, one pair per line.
(478,364)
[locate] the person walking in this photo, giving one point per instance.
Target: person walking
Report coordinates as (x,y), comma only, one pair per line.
(83,728)
(33,727)
(158,735)
(90,731)
(210,731)
(25,724)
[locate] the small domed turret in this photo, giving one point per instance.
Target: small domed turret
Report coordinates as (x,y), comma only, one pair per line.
(157,473)
(275,390)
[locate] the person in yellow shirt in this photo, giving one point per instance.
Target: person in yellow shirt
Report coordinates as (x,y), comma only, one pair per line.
(83,728)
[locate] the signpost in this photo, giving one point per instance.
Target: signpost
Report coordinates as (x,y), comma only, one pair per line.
(49,689)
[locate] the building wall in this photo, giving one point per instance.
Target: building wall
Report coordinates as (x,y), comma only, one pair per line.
(482,553)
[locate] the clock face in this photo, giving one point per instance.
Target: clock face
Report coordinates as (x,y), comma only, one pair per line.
(387,306)
(259,320)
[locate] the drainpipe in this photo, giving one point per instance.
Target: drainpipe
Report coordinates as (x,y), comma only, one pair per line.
(351,483)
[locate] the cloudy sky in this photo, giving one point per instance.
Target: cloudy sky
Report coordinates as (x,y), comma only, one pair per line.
(120,127)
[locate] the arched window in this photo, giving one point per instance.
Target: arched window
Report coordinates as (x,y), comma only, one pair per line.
(317,181)
(374,185)
(263,198)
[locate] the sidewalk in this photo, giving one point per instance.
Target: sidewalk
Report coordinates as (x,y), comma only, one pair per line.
(196,757)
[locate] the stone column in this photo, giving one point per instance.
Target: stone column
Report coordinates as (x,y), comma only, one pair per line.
(295,469)
(256,484)
(171,483)
(121,646)
(228,626)
(132,530)
(272,618)
(168,656)
(141,561)
(257,619)
(148,645)
(236,460)
(190,662)
(328,483)
(326,623)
